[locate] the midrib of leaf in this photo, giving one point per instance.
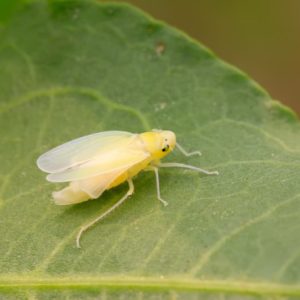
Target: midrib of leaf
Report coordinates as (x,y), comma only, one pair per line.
(153,283)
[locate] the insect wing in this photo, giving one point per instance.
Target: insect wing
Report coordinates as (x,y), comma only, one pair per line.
(122,157)
(95,186)
(80,150)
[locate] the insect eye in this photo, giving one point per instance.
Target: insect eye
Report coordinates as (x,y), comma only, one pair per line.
(165,148)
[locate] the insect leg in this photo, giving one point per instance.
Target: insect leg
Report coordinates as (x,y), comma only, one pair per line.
(155,169)
(184,152)
(87,226)
(179,165)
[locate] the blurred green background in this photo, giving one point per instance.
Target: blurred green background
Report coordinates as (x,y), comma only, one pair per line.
(261,37)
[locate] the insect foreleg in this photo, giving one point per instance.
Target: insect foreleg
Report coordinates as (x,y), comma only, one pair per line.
(184,152)
(184,166)
(87,226)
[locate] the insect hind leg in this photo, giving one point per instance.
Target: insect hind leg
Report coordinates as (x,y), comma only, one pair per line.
(87,226)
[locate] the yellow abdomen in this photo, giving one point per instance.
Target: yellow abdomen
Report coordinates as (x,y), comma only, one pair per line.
(131,172)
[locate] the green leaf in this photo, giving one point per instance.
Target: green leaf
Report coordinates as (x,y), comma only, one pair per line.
(9,7)
(70,68)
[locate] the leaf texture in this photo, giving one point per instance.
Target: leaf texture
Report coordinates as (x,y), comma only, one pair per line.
(71,68)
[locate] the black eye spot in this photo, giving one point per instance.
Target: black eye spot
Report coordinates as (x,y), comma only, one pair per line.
(165,148)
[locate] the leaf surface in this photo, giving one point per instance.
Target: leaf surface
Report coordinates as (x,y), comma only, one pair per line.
(72,68)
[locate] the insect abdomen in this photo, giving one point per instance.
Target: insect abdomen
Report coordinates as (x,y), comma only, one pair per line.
(131,172)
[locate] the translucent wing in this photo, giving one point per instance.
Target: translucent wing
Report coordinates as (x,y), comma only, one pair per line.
(80,191)
(115,159)
(92,155)
(95,186)
(81,150)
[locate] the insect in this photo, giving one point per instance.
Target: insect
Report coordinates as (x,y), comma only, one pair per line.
(98,162)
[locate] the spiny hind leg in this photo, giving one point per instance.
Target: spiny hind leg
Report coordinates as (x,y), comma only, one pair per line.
(87,226)
(155,169)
